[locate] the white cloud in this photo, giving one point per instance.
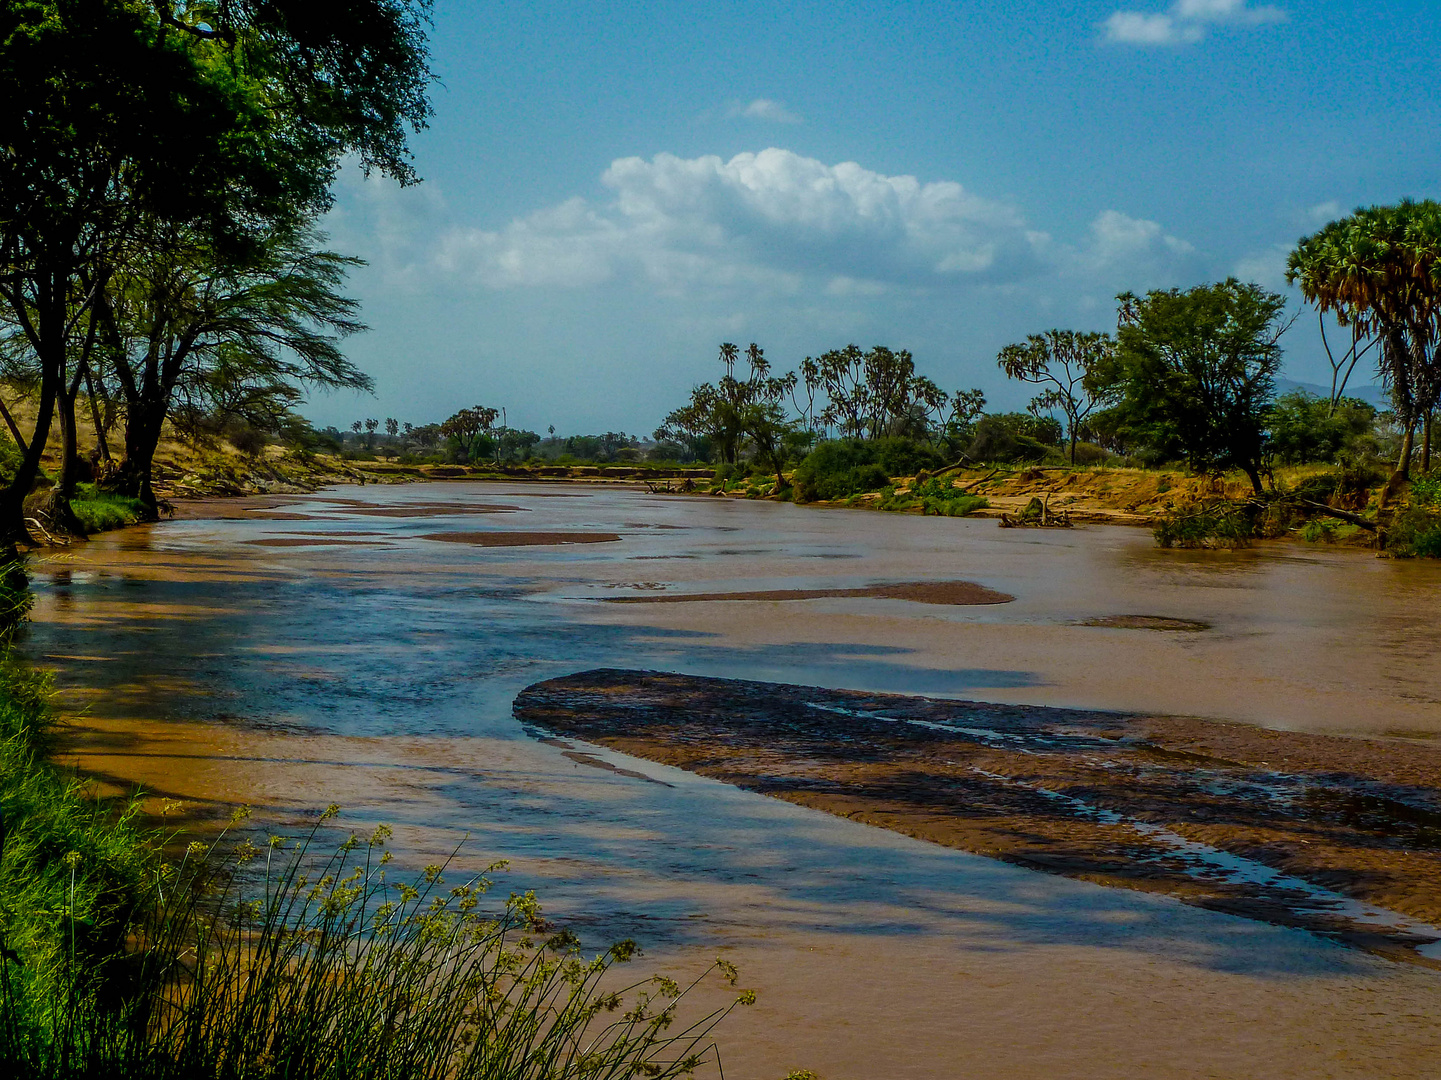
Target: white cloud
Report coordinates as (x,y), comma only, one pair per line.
(772,217)
(1321,213)
(1186,21)
(1266,267)
(768,228)
(765,109)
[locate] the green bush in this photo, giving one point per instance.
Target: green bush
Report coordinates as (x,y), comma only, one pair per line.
(1221,526)
(1014,437)
(836,469)
(1302,428)
(101,510)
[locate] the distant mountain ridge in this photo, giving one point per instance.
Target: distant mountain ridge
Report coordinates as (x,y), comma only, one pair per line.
(1374,395)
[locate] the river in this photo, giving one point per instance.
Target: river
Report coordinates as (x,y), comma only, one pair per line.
(327,651)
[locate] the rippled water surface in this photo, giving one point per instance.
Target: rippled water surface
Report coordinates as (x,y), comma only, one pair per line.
(379,673)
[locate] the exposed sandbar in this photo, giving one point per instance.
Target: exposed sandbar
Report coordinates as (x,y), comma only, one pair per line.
(1100,796)
(522,539)
(956,593)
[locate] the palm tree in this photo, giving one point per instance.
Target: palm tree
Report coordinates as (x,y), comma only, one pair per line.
(1379,272)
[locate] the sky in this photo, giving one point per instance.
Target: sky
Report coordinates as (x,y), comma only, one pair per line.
(612,190)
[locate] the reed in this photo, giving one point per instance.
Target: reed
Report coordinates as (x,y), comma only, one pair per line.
(334,970)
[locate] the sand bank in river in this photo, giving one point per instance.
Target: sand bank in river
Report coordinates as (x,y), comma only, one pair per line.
(951,593)
(1222,816)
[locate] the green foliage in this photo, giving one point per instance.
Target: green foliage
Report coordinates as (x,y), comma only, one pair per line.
(1378,271)
(9,458)
(1225,525)
(70,871)
(1304,428)
(1014,437)
(937,497)
(838,468)
(332,970)
(1416,531)
(1194,374)
(101,510)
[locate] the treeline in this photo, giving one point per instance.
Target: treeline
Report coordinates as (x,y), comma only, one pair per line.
(1188,377)
(163,168)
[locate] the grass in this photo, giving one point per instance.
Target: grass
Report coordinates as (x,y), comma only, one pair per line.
(101,510)
(266,962)
(332,970)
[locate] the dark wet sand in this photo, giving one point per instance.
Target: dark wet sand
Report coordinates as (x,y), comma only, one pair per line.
(952,593)
(1146,622)
(522,539)
(319,540)
(1360,818)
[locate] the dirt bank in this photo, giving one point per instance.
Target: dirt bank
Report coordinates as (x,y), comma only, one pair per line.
(1157,803)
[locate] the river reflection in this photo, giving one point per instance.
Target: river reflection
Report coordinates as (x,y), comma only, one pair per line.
(379,673)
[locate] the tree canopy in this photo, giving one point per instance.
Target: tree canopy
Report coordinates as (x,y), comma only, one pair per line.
(1194,373)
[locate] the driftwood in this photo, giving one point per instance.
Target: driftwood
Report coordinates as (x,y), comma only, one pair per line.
(1037,515)
(1344,515)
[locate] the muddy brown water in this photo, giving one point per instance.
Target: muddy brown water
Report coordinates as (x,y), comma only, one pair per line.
(219,671)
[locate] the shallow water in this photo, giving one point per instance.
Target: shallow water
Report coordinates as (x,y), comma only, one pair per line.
(380,675)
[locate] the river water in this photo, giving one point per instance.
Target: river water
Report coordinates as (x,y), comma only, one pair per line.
(329,652)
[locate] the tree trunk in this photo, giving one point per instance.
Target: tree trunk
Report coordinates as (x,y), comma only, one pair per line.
(142,436)
(100,440)
(1426,440)
(1400,474)
(1253,474)
(58,507)
(49,338)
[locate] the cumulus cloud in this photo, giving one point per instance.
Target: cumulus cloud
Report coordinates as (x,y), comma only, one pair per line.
(772,217)
(772,227)
(1186,21)
(765,109)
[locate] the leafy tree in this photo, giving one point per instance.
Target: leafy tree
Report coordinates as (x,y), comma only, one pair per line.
(467,424)
(201,338)
(216,117)
(1194,372)
(734,410)
(1379,272)
(872,394)
(1304,428)
(1066,363)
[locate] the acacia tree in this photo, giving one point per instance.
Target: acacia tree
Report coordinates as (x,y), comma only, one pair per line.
(1194,372)
(1379,272)
(195,336)
(216,116)
(1067,364)
(467,424)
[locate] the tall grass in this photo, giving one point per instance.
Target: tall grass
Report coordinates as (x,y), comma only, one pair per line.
(100,510)
(338,972)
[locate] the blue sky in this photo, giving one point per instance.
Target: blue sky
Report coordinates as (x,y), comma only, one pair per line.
(611,190)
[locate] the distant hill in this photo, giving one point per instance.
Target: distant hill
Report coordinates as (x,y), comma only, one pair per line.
(1375,395)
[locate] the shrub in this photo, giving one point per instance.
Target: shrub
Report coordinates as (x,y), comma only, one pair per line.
(834,470)
(1303,428)
(1225,525)
(100,510)
(333,970)
(939,497)
(1012,437)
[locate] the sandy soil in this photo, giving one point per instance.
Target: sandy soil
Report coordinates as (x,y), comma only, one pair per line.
(521,539)
(1054,789)
(951,593)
